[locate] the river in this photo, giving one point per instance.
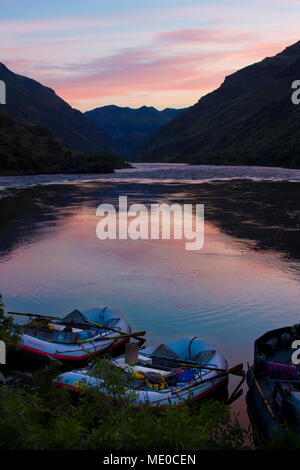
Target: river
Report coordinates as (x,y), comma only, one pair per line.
(245,280)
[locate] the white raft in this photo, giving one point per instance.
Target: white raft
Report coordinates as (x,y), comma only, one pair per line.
(187,368)
(74,337)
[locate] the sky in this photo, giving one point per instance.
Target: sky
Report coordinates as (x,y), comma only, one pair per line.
(165,53)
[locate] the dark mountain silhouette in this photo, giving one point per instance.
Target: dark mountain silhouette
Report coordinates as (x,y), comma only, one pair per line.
(249,120)
(31,149)
(130,127)
(30,102)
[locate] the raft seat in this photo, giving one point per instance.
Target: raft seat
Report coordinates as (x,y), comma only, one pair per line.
(164,356)
(204,357)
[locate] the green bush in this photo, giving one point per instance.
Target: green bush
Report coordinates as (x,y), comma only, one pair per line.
(8,331)
(39,416)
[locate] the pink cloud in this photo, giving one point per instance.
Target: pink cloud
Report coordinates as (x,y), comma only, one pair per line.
(211,36)
(172,61)
(136,70)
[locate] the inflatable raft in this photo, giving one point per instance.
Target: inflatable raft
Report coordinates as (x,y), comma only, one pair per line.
(274,383)
(73,338)
(171,373)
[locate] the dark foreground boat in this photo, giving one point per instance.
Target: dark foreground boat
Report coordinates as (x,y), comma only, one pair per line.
(73,338)
(171,373)
(274,382)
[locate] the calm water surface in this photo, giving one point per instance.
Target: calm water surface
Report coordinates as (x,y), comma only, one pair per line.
(244,281)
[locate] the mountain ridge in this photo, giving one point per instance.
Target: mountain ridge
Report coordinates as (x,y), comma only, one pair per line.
(215,130)
(30,102)
(129,127)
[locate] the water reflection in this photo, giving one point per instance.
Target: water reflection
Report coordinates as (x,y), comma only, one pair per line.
(267,214)
(244,282)
(51,255)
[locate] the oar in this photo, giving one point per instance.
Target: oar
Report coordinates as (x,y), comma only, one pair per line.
(121,335)
(115,330)
(136,335)
(236,370)
(197,365)
(261,392)
(166,358)
(35,315)
(104,327)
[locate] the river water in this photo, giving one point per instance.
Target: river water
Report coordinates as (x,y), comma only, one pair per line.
(245,280)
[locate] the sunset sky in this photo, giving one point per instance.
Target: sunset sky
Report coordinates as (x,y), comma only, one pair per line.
(165,53)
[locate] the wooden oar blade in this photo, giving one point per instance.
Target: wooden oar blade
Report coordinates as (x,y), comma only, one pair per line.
(237,370)
(120,335)
(138,334)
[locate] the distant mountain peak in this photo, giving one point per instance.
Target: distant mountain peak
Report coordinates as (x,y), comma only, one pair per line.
(129,127)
